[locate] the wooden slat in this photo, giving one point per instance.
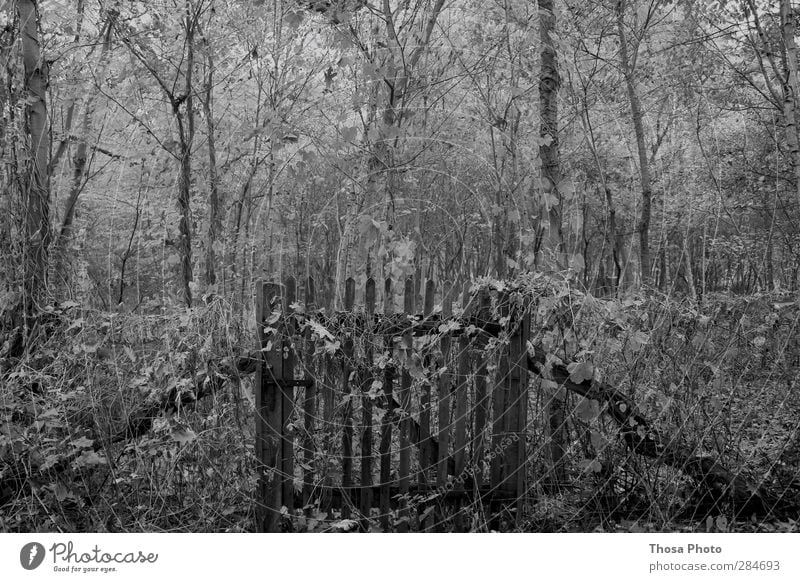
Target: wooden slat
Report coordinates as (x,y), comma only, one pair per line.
(426,461)
(443,395)
(522,426)
(405,405)
(309,405)
(444,391)
(514,403)
(417,278)
(287,397)
(268,412)
(500,391)
(386,425)
(366,408)
(461,406)
(329,429)
(462,393)
(347,422)
(481,396)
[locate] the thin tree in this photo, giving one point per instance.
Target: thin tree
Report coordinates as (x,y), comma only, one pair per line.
(35,179)
(628,63)
(181,102)
(549,82)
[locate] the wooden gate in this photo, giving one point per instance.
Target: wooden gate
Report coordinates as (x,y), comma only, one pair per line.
(386,416)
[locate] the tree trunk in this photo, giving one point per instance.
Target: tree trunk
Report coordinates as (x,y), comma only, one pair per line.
(549,82)
(641,146)
(186,137)
(36,181)
(214,219)
(790,89)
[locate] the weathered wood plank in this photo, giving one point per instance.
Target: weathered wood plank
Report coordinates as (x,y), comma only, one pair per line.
(500,401)
(516,405)
(522,426)
(405,410)
(268,410)
(462,392)
(386,425)
(347,421)
(366,410)
(425,459)
(443,395)
(309,405)
(481,395)
(444,385)
(287,397)
(328,429)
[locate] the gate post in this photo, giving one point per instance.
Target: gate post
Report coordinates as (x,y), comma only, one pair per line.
(268,407)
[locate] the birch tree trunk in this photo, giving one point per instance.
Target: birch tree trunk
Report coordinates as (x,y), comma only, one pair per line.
(790,89)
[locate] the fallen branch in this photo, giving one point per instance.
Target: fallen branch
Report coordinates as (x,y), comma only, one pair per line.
(719,485)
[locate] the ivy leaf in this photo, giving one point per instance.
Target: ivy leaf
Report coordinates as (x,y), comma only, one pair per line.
(320,331)
(588,410)
(637,340)
(599,442)
(592,465)
(90,458)
(182,434)
(375,390)
(581,372)
(345,525)
(83,443)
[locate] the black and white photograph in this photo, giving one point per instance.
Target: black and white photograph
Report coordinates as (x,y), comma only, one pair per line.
(399,266)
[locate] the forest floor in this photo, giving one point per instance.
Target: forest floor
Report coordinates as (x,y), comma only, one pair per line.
(722,377)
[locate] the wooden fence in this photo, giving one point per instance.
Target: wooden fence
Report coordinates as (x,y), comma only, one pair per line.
(387,416)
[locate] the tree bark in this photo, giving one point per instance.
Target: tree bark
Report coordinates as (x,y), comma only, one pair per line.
(790,89)
(36,180)
(628,71)
(186,137)
(549,83)
(214,219)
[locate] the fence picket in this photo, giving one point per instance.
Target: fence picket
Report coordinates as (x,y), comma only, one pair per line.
(405,410)
(481,396)
(443,396)
(522,426)
(366,408)
(309,405)
(347,422)
(287,398)
(426,462)
(268,411)
(500,392)
(386,425)
(464,344)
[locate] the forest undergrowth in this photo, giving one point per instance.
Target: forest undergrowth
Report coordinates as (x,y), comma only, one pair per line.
(142,422)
